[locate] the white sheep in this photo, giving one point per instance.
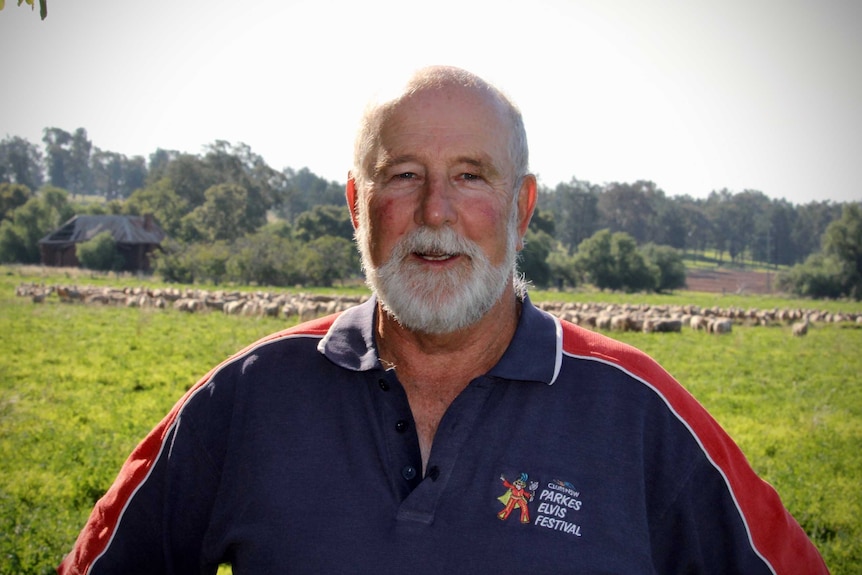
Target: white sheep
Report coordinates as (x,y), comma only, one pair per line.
(800,328)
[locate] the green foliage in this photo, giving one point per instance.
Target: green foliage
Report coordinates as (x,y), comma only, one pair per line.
(222,216)
(668,263)
(633,271)
(193,263)
(328,259)
(818,277)
(324,220)
(534,258)
(562,268)
(12,197)
(837,270)
(20,162)
(302,190)
(100,253)
(843,242)
(161,200)
(39,216)
(68,159)
(612,261)
(43,6)
(265,259)
(543,221)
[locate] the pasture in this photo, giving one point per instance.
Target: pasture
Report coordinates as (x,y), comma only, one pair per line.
(81,384)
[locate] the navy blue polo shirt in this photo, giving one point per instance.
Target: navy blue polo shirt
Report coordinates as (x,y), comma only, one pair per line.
(574,454)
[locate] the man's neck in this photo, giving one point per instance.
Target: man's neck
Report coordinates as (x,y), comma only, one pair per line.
(471,351)
(435,368)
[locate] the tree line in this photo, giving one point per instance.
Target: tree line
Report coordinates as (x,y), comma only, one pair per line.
(232,217)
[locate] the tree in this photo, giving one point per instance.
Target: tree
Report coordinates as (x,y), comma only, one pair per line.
(594,261)
(842,242)
(634,273)
(324,220)
(612,261)
(12,196)
(562,267)
(20,163)
(543,221)
(100,253)
(817,277)
(40,215)
(190,177)
(68,157)
(835,271)
(237,164)
(265,259)
(669,227)
(163,202)
(158,164)
(698,228)
(629,208)
(575,209)
(775,243)
(115,176)
(327,259)
(812,219)
(669,265)
(222,216)
(301,190)
(534,258)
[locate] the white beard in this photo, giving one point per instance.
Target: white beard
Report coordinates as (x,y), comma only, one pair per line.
(438,301)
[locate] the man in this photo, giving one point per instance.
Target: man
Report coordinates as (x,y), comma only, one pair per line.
(375,441)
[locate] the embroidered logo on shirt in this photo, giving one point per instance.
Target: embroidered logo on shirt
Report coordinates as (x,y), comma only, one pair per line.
(517,496)
(555,503)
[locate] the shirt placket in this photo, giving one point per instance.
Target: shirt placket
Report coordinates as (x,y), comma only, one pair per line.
(454,430)
(400,449)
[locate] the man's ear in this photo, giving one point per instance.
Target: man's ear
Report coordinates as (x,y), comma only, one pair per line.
(527,196)
(352,197)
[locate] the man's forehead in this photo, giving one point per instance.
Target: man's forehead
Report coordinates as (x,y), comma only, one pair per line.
(444,117)
(454,98)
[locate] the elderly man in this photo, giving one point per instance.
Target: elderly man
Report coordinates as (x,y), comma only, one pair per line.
(381,440)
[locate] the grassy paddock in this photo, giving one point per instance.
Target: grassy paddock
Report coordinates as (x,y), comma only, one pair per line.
(81,385)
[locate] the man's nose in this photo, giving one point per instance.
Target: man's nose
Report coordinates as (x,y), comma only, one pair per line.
(436,205)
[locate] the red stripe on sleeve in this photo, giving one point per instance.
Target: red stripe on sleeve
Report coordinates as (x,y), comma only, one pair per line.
(774,534)
(105,517)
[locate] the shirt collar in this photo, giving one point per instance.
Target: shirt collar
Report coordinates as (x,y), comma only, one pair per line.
(535,353)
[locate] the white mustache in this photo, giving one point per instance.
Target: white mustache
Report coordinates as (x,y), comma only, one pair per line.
(438,241)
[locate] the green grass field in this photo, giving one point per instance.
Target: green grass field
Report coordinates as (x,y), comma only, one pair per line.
(80,386)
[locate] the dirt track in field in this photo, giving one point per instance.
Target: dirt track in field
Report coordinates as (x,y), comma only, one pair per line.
(731,281)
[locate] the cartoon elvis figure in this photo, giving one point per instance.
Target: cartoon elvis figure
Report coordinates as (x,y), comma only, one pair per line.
(516,496)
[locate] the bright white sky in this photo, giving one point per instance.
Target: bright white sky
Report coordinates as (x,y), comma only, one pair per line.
(695,96)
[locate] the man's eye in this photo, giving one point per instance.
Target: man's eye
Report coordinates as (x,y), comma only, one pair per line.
(471,177)
(405,176)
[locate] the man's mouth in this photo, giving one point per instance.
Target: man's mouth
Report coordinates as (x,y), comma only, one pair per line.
(434,257)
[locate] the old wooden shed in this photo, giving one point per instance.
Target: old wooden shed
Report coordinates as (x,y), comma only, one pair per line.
(136,238)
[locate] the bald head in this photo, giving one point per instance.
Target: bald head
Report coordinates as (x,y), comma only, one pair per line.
(438,78)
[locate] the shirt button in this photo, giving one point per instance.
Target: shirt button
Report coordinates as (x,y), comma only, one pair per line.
(409,473)
(383,385)
(401,426)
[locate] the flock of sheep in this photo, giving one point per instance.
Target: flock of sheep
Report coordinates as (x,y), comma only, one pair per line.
(673,318)
(607,317)
(260,303)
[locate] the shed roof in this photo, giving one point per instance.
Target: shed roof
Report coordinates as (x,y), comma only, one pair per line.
(125,229)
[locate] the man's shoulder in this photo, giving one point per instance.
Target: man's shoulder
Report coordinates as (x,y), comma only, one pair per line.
(581,343)
(312,328)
